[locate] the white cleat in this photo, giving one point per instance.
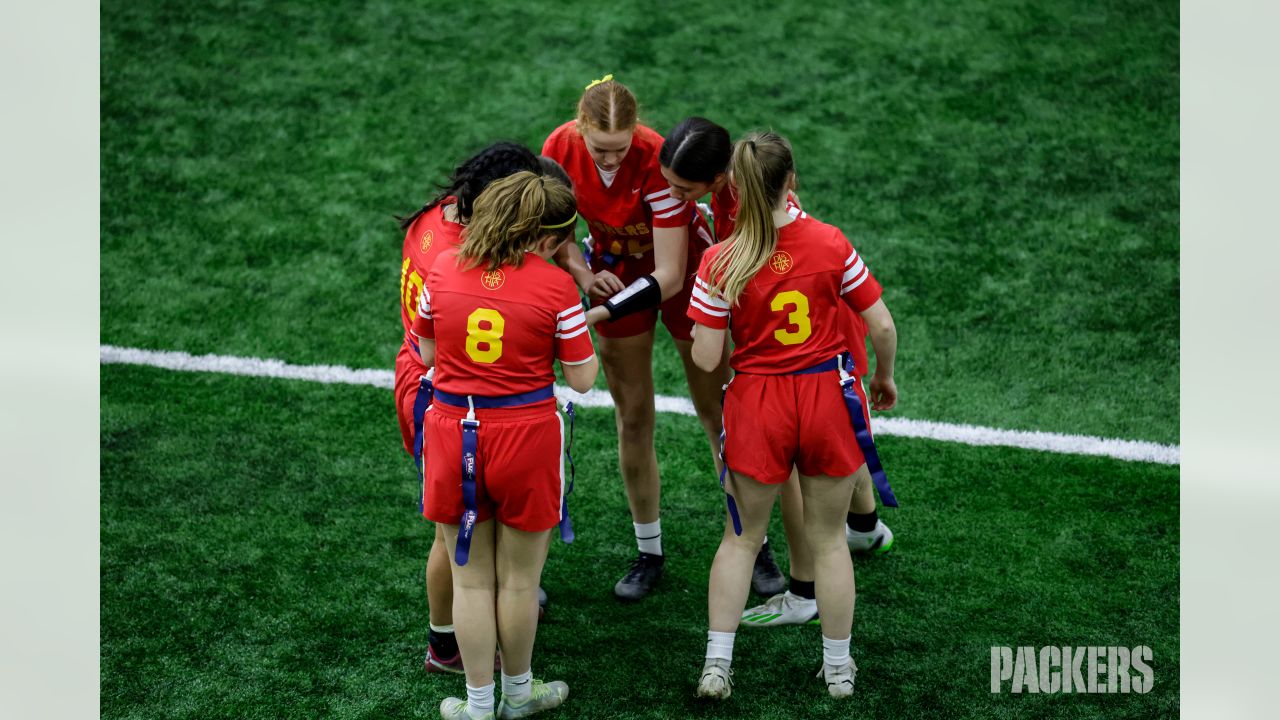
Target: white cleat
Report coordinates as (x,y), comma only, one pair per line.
(542,696)
(876,542)
(782,609)
(716,681)
(839,678)
(456,709)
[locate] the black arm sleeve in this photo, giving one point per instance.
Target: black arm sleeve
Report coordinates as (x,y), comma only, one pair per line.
(642,294)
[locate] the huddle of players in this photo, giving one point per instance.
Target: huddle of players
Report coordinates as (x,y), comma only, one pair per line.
(486,317)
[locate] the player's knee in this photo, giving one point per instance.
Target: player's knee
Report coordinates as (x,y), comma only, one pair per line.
(636,426)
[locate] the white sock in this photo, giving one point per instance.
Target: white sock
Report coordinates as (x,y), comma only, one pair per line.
(720,645)
(479,700)
(517,687)
(835,652)
(649,537)
(441,628)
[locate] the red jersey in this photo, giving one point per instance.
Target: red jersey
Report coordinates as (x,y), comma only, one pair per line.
(498,332)
(428,236)
(623,214)
(724,211)
(788,315)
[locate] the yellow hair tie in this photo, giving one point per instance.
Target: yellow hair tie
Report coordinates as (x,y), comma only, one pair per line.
(566,223)
(602,80)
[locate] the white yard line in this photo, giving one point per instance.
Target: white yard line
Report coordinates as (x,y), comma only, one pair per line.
(946,432)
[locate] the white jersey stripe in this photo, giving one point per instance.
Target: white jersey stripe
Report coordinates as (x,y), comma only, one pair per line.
(655,195)
(861,279)
(567,335)
(673,213)
(707,299)
(569,311)
(854,271)
(698,305)
(664,204)
(567,326)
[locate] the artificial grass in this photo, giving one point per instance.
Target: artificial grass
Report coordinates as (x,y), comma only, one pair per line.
(262,558)
(1009,170)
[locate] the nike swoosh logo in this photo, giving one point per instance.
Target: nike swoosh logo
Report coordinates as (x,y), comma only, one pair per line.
(635,190)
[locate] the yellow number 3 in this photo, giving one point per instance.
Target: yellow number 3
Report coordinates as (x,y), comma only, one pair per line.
(799,317)
(484,344)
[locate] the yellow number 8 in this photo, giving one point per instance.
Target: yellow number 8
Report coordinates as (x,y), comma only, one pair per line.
(488,337)
(798,317)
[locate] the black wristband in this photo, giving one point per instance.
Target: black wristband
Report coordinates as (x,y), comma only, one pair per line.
(642,294)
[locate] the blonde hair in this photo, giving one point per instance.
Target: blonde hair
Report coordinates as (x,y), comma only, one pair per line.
(761,164)
(607,106)
(511,215)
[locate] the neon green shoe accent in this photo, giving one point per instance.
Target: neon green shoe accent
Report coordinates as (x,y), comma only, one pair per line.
(542,696)
(883,548)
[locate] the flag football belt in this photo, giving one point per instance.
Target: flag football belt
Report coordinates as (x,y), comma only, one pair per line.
(862,433)
(470,459)
(420,403)
(588,250)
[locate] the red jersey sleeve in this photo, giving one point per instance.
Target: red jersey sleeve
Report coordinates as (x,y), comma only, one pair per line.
(573,342)
(423,326)
(703,308)
(858,287)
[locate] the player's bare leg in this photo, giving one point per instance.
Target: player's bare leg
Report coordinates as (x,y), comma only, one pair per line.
(801,566)
(825,501)
(731,569)
(706,389)
(474,592)
(442,647)
(730,580)
(520,559)
(798,605)
(628,368)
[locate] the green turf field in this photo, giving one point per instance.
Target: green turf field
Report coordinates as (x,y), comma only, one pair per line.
(1009,169)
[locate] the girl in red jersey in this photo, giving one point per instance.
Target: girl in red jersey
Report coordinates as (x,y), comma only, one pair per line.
(492,319)
(645,244)
(695,161)
(779,280)
(437,227)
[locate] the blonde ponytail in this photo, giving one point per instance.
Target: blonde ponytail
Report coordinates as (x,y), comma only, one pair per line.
(761,164)
(511,215)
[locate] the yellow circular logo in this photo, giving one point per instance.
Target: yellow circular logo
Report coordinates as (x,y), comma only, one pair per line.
(781,263)
(493,279)
(426,241)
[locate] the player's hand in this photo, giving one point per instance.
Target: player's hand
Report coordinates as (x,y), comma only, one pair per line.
(884,393)
(605,285)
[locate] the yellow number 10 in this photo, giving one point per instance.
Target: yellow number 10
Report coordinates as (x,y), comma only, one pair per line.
(799,317)
(484,344)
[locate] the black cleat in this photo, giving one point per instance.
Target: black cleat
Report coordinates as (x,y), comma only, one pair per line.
(645,571)
(766,578)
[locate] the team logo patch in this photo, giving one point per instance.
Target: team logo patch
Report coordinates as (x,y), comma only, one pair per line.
(493,279)
(781,263)
(426,241)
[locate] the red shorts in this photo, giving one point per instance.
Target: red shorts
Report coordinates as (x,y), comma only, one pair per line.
(774,422)
(409,369)
(674,311)
(519,469)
